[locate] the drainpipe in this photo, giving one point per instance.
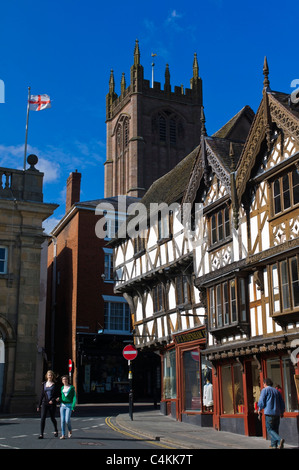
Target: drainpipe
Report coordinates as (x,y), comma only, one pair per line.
(53,302)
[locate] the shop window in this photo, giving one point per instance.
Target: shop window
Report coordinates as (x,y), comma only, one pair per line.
(256,385)
(227,303)
(220,226)
(192,395)
(169,375)
(285,191)
(3,260)
(285,285)
(232,389)
(117,317)
(281,371)
(206,385)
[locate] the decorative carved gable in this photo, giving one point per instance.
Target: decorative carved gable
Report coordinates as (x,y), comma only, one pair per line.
(271,115)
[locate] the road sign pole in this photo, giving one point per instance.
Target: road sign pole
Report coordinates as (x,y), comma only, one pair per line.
(70,370)
(130,353)
(130,391)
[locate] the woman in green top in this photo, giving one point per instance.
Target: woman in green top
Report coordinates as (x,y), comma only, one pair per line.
(67,405)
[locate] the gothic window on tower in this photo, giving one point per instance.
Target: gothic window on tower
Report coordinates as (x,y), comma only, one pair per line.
(168,128)
(122,135)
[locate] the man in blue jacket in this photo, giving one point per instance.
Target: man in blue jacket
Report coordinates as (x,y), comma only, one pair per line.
(272,403)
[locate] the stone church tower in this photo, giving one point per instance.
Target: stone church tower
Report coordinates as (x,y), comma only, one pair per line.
(149,130)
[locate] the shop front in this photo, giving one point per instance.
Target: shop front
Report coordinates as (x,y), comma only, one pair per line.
(103,371)
(238,381)
(187,390)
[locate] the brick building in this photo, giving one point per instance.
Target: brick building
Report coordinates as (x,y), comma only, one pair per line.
(86,321)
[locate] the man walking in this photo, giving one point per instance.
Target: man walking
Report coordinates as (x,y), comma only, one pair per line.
(272,403)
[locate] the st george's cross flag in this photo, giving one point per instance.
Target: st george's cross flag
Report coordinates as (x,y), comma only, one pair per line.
(39,102)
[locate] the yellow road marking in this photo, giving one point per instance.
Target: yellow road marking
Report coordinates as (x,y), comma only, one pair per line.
(116,429)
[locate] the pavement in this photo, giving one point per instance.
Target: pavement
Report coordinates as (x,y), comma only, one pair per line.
(151,423)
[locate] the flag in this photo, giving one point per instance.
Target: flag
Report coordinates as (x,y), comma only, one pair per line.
(39,102)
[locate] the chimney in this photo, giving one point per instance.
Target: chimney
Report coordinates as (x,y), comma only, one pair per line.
(72,190)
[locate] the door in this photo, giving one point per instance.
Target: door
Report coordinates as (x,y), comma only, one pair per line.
(253,388)
(2,364)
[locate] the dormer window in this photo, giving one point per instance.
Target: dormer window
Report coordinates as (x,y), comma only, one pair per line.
(220,225)
(285,191)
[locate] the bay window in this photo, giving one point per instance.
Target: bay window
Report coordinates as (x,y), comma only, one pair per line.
(227,303)
(284,285)
(182,290)
(158,298)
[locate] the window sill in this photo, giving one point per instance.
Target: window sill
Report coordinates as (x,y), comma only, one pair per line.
(283,318)
(238,328)
(275,217)
(218,245)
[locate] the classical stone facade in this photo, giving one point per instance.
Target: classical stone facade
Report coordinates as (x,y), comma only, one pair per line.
(22,212)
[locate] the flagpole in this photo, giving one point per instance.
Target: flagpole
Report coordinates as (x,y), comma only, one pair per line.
(26,134)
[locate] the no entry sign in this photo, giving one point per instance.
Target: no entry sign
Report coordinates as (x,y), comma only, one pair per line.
(130,352)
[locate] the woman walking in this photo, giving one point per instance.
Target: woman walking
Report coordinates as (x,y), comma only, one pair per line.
(47,402)
(67,405)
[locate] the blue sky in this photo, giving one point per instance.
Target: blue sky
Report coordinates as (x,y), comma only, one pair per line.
(67,48)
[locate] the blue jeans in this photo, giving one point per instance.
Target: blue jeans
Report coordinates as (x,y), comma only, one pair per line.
(272,426)
(65,415)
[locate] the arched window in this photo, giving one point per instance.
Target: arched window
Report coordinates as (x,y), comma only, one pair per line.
(122,135)
(168,127)
(162,128)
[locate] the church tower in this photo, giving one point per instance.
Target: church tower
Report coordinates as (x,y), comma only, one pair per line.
(149,130)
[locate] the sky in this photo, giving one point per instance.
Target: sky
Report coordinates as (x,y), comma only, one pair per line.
(67,48)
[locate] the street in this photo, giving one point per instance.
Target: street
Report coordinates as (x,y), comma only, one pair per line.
(94,427)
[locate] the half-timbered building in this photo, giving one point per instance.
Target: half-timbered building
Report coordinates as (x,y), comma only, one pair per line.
(155,273)
(217,293)
(246,264)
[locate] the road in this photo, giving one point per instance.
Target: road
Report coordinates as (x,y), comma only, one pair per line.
(93,428)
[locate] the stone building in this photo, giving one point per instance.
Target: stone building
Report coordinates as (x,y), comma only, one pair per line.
(149,130)
(22,212)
